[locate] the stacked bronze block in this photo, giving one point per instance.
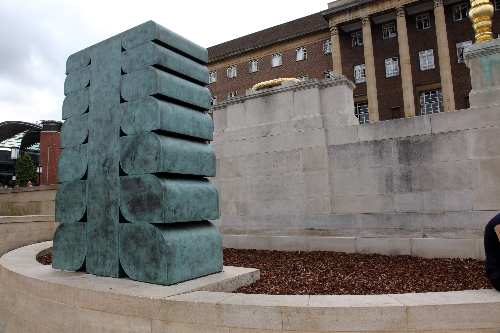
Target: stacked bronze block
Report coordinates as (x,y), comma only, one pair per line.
(133,199)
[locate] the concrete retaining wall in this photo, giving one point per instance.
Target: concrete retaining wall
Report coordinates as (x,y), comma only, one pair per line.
(37,299)
(419,247)
(291,164)
(37,200)
(17,231)
(26,216)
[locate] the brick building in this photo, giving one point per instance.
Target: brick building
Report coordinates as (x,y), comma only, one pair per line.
(405,56)
(50,141)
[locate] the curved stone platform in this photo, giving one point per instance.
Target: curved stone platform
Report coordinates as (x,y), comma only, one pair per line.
(36,298)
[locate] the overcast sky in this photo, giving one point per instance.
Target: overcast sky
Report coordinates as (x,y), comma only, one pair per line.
(36,37)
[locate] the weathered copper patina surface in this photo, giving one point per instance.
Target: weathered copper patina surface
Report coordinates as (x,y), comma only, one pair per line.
(133,198)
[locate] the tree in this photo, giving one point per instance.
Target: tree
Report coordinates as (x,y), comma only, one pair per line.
(25,170)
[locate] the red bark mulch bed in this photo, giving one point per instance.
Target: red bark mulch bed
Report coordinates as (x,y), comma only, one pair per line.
(318,273)
(45,257)
(327,273)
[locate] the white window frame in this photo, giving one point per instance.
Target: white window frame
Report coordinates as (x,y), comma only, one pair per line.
(426,59)
(212,77)
(276,60)
(232,72)
(460,12)
(431,101)
(253,66)
(460,50)
(300,53)
(425,20)
(391,67)
(361,112)
(357,38)
(389,30)
(360,73)
(327,46)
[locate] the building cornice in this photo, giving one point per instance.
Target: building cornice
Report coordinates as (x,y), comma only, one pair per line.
(351,10)
(342,5)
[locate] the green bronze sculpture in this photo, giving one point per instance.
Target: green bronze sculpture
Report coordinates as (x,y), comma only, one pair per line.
(133,199)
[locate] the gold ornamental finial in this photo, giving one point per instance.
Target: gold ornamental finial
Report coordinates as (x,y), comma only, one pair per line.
(273,83)
(480,14)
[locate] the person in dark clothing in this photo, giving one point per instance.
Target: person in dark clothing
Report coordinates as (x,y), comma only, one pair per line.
(492,250)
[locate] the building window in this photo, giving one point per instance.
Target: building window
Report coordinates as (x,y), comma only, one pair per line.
(460,12)
(253,66)
(497,4)
(431,101)
(361,112)
(460,50)
(357,38)
(212,77)
(423,21)
(329,74)
(276,60)
(426,59)
(301,53)
(359,73)
(231,72)
(391,67)
(389,30)
(327,46)
(232,94)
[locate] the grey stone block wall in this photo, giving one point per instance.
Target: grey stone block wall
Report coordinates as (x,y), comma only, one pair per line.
(37,200)
(26,216)
(293,162)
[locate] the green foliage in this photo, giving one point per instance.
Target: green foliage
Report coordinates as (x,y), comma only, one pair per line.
(25,170)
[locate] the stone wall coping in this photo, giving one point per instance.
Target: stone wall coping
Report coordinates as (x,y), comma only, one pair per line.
(27,218)
(27,189)
(459,120)
(345,301)
(335,80)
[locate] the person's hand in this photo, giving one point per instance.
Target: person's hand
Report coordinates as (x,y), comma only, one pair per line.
(497,230)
